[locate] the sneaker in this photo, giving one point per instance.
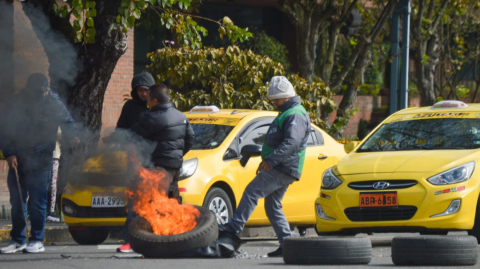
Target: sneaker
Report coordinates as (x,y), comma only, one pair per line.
(227,228)
(13,247)
(276,253)
(53,218)
(34,247)
(125,248)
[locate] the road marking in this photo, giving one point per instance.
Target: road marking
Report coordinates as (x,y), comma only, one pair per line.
(108,246)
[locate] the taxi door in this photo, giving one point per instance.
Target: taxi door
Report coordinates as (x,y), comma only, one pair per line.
(298,202)
(254,134)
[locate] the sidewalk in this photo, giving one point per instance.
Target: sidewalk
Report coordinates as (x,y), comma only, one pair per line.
(57,233)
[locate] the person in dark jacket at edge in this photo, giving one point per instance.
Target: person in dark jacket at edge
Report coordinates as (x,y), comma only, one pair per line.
(33,121)
(135,108)
(283,155)
(172,132)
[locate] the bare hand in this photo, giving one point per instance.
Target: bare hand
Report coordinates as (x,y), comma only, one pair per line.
(12,161)
(263,166)
(74,142)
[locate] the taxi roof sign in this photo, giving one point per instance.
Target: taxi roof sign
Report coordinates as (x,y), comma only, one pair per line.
(204,109)
(449,104)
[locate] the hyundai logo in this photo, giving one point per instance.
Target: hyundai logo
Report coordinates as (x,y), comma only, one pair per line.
(381,185)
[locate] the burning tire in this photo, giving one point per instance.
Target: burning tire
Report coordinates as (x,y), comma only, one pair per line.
(435,250)
(88,235)
(144,241)
(321,250)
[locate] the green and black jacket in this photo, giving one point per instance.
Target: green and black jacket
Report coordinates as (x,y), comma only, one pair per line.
(286,141)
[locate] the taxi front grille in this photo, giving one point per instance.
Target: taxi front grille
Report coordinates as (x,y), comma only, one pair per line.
(392,184)
(94,212)
(380,213)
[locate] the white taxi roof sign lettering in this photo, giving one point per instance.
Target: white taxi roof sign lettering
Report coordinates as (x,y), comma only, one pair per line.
(204,109)
(449,104)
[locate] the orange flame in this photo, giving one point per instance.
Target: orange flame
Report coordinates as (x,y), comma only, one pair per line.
(150,201)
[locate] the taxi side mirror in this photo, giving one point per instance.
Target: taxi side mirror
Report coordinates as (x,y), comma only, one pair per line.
(350,146)
(249,151)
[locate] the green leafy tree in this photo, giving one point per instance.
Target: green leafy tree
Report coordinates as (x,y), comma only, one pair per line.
(319,22)
(229,78)
(445,43)
(265,45)
(97,30)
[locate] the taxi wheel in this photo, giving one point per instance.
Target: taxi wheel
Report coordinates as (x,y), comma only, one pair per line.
(144,241)
(324,250)
(88,235)
(218,202)
(435,250)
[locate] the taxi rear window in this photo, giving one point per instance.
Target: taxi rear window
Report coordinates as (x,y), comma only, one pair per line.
(425,134)
(210,136)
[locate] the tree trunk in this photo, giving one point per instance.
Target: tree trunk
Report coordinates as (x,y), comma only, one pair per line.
(306,44)
(80,73)
(350,95)
(425,70)
(328,46)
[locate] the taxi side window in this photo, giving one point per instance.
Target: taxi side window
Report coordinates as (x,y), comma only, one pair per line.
(319,137)
(256,136)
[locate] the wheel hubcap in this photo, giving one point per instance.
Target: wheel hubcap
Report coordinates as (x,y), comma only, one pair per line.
(219,207)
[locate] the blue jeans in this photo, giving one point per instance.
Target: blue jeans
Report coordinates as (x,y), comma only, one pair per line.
(34,186)
(272,186)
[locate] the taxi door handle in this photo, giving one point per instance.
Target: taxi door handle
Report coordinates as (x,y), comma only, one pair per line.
(322,157)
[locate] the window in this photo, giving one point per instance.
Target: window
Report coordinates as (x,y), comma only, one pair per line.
(427,134)
(210,136)
(256,136)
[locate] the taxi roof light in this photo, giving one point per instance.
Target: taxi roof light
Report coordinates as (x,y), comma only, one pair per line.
(204,109)
(449,104)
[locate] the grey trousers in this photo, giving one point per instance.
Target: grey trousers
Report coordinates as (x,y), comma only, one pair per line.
(272,186)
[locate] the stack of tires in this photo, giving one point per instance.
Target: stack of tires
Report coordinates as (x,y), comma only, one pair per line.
(324,250)
(435,250)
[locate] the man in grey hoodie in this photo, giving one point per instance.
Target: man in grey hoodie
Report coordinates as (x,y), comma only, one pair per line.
(283,155)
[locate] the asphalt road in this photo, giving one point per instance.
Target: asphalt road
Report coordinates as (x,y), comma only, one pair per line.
(104,256)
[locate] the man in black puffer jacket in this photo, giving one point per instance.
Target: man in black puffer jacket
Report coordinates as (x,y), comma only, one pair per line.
(168,127)
(135,108)
(174,136)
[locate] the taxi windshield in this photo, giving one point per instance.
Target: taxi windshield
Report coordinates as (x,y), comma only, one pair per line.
(425,134)
(209,136)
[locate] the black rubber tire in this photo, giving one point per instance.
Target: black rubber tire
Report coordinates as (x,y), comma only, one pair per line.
(151,245)
(89,236)
(214,193)
(435,250)
(324,250)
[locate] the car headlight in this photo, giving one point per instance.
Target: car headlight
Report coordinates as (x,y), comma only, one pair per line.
(188,168)
(454,175)
(330,180)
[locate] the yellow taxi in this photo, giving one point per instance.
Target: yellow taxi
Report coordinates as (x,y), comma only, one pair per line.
(416,172)
(214,175)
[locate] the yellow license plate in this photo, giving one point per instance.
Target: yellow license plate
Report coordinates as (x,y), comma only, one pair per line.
(378,199)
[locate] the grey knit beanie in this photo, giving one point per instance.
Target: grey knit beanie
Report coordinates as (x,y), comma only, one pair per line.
(279,88)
